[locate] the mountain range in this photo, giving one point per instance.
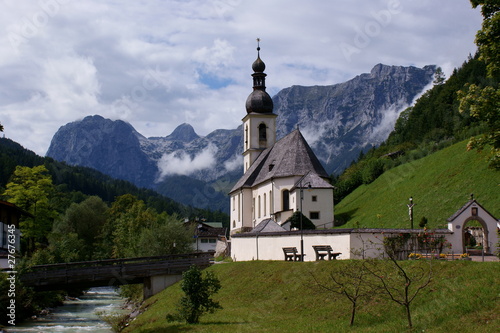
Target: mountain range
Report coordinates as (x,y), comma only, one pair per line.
(338,121)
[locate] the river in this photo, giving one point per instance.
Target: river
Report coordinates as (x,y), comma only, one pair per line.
(79,315)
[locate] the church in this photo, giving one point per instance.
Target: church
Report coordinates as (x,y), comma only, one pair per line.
(280,176)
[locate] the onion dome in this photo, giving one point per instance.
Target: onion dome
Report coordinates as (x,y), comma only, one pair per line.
(259,100)
(258,65)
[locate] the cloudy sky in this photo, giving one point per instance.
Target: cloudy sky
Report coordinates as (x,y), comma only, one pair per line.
(160,63)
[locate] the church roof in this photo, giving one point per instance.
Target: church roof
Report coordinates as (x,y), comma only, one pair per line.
(290,156)
(268,225)
(311,180)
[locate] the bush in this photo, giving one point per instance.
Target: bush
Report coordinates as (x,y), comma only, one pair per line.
(198,292)
(295,222)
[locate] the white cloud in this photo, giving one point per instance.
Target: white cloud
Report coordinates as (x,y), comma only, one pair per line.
(180,163)
(386,125)
(64,59)
(233,163)
(216,58)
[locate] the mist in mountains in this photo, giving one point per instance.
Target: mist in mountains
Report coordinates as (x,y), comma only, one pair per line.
(338,121)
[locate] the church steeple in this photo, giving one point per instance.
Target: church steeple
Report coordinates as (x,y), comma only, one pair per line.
(259,100)
(260,122)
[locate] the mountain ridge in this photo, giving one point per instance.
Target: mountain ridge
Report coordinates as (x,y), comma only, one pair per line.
(338,121)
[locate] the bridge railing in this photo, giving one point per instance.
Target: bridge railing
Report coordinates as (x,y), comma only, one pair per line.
(113,271)
(110,262)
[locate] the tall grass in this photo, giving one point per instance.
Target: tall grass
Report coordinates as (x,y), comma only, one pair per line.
(440,184)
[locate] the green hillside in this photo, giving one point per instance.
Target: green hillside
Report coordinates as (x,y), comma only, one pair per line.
(440,184)
(277,296)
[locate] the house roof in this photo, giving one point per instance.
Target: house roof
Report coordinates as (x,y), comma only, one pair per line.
(10,206)
(214,224)
(211,232)
(290,156)
(205,229)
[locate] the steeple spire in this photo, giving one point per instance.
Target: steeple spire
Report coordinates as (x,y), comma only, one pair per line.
(259,100)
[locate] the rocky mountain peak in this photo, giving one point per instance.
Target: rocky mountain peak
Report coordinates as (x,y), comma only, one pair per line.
(184,133)
(338,121)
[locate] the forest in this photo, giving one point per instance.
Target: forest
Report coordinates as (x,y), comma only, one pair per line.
(79,214)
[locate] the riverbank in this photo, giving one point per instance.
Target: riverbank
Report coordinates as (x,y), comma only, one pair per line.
(82,314)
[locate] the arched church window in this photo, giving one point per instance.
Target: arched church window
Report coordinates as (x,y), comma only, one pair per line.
(259,207)
(286,200)
(265,206)
(262,135)
(246,137)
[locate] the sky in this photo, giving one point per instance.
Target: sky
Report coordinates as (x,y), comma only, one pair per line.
(159,63)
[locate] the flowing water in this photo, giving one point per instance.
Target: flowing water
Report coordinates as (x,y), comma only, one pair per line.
(79,315)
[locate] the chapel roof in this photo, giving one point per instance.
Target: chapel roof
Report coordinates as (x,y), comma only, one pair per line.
(290,156)
(464,207)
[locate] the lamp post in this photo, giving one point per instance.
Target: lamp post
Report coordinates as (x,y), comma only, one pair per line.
(301,229)
(410,211)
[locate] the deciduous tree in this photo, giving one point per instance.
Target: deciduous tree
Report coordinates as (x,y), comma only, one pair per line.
(400,281)
(86,220)
(483,102)
(31,190)
(352,282)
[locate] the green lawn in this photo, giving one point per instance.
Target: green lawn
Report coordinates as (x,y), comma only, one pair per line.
(266,296)
(440,184)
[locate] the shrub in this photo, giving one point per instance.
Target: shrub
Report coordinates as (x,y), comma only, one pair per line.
(197,299)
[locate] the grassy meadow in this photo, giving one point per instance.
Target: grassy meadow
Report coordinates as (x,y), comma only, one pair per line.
(440,184)
(273,296)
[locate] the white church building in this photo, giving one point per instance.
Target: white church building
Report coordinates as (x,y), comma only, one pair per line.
(277,174)
(284,176)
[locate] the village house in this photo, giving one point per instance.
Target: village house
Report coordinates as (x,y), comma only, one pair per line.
(206,235)
(10,242)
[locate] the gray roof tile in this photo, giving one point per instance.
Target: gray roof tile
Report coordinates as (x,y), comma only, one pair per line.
(290,156)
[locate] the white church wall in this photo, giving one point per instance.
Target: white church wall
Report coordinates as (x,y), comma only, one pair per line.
(366,245)
(240,215)
(351,244)
(269,247)
(323,206)
(281,184)
(263,202)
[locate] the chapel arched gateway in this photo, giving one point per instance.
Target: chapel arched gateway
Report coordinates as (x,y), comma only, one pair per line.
(473,211)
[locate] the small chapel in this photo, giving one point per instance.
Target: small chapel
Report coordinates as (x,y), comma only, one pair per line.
(280,176)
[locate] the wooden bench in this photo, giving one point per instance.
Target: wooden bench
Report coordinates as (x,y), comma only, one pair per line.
(323,251)
(291,254)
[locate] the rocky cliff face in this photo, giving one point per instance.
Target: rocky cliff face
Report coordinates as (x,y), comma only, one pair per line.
(338,121)
(112,147)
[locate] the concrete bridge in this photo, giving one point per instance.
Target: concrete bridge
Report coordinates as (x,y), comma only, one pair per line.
(156,273)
